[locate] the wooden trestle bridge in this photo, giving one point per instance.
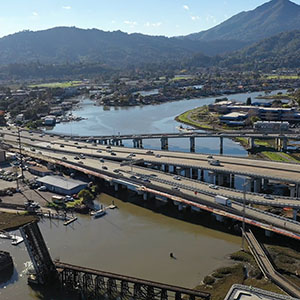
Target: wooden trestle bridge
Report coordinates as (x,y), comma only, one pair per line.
(91,283)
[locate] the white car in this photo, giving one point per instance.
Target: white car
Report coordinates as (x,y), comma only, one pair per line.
(42,188)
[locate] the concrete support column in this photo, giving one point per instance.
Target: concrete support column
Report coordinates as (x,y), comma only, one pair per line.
(145,196)
(164,143)
(166,168)
(201,175)
(134,143)
(174,170)
(257,185)
(295,212)
(232,181)
(105,142)
(265,183)
(251,143)
(268,233)
(219,218)
(195,173)
(220,179)
(292,189)
(192,144)
(284,144)
(180,207)
(116,187)
(187,173)
(221,145)
(211,177)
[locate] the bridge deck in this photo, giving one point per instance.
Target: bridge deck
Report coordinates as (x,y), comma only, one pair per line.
(61,266)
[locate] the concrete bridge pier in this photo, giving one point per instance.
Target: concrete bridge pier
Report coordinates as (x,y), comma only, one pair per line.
(134,143)
(180,207)
(145,196)
(192,144)
(211,177)
(174,170)
(166,168)
(265,183)
(257,184)
(219,218)
(292,188)
(201,175)
(187,172)
(116,187)
(232,181)
(139,143)
(295,213)
(284,144)
(221,145)
(195,173)
(220,179)
(251,143)
(164,143)
(268,233)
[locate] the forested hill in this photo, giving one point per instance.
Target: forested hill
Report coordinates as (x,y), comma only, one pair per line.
(271,18)
(62,45)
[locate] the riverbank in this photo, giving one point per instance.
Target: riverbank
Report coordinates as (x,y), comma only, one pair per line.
(12,221)
(245,271)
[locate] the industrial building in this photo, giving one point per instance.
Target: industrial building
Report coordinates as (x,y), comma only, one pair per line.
(243,292)
(39,171)
(62,185)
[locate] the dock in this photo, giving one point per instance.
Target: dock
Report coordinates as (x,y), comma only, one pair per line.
(70,221)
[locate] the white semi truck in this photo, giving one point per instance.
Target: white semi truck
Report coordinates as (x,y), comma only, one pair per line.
(223,200)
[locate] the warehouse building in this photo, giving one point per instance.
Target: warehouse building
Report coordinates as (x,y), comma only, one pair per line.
(39,171)
(62,185)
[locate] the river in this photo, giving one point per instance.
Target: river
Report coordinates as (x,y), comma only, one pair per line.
(132,240)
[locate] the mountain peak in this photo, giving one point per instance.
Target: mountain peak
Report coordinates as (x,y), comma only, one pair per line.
(273,17)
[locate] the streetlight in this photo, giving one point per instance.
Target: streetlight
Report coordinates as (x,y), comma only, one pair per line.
(247,181)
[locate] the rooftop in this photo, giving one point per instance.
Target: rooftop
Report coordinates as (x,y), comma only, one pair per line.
(61,182)
(243,292)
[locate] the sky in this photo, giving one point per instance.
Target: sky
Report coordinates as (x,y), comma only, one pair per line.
(154,17)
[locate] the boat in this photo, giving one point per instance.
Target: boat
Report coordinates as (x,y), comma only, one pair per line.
(99,213)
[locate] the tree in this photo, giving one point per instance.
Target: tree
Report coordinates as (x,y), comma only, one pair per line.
(85,195)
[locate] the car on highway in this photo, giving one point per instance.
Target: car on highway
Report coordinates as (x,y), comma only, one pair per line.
(175,188)
(99,151)
(76,157)
(132,177)
(108,147)
(210,156)
(101,160)
(176,177)
(32,149)
(150,152)
(116,170)
(158,155)
(268,197)
(104,167)
(48,146)
(78,147)
(64,158)
(80,162)
(61,145)
(113,153)
(81,156)
(214,187)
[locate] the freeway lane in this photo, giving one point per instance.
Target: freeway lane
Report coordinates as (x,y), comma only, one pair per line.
(283,172)
(123,153)
(165,182)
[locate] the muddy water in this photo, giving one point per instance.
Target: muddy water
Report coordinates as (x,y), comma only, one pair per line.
(129,240)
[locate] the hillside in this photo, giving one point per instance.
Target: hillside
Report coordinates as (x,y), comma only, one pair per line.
(266,20)
(117,49)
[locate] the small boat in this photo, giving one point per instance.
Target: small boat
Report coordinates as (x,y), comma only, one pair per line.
(99,213)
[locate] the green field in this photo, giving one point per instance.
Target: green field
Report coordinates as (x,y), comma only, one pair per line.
(65,84)
(283,77)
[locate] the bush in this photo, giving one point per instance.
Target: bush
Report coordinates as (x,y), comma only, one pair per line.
(208,280)
(85,195)
(240,256)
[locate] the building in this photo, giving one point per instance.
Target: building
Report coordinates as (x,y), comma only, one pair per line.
(271,126)
(39,171)
(234,119)
(62,185)
(243,292)
(50,120)
(2,155)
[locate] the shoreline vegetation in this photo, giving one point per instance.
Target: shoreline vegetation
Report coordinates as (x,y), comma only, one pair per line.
(246,271)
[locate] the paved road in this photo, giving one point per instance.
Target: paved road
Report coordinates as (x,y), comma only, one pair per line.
(283,172)
(165,182)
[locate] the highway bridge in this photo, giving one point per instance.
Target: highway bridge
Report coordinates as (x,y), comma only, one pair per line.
(191,164)
(183,192)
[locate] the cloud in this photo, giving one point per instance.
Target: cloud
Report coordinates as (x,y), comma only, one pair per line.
(67,7)
(130,23)
(186,7)
(157,24)
(195,18)
(211,19)
(35,14)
